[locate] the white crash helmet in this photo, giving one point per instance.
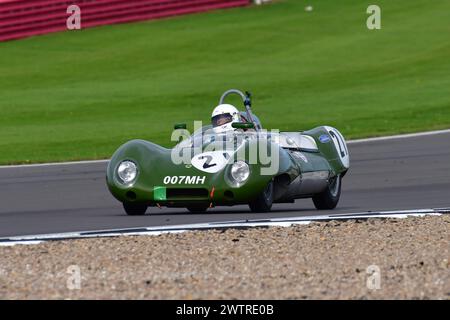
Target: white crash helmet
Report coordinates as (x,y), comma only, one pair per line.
(223,116)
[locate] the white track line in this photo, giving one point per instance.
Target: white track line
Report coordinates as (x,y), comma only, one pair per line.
(400,136)
(10,244)
(52,164)
(276,222)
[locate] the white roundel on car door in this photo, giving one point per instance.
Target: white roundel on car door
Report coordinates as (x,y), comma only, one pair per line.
(212,161)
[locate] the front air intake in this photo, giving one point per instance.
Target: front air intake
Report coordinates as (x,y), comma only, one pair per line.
(187,194)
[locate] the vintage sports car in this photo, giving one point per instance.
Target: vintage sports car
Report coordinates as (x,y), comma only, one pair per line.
(230,162)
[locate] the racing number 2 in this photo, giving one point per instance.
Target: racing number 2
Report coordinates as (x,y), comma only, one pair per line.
(209,159)
(342,148)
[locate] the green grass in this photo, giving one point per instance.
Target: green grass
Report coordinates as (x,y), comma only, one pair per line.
(79,95)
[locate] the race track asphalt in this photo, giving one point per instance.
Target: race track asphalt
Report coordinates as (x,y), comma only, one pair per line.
(394,174)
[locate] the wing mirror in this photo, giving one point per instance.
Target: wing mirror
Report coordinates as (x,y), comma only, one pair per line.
(243,125)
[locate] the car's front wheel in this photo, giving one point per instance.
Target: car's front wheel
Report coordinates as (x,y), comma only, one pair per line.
(134,209)
(329,198)
(264,201)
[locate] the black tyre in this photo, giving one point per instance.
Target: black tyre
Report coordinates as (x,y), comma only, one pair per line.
(263,203)
(197,209)
(329,198)
(134,209)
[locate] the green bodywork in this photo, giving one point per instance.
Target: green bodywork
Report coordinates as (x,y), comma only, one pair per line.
(153,185)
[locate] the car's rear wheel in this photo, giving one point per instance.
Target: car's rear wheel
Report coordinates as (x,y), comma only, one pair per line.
(264,201)
(197,209)
(134,209)
(329,198)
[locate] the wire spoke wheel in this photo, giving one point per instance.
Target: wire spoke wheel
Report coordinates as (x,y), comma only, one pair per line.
(264,201)
(329,198)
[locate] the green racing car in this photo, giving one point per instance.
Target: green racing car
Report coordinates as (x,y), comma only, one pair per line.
(231,161)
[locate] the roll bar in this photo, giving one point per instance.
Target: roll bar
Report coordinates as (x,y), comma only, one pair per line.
(247,99)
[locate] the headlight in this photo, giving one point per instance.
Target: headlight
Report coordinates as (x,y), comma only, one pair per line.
(127,171)
(240,171)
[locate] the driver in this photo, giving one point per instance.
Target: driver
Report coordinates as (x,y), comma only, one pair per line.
(223,117)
